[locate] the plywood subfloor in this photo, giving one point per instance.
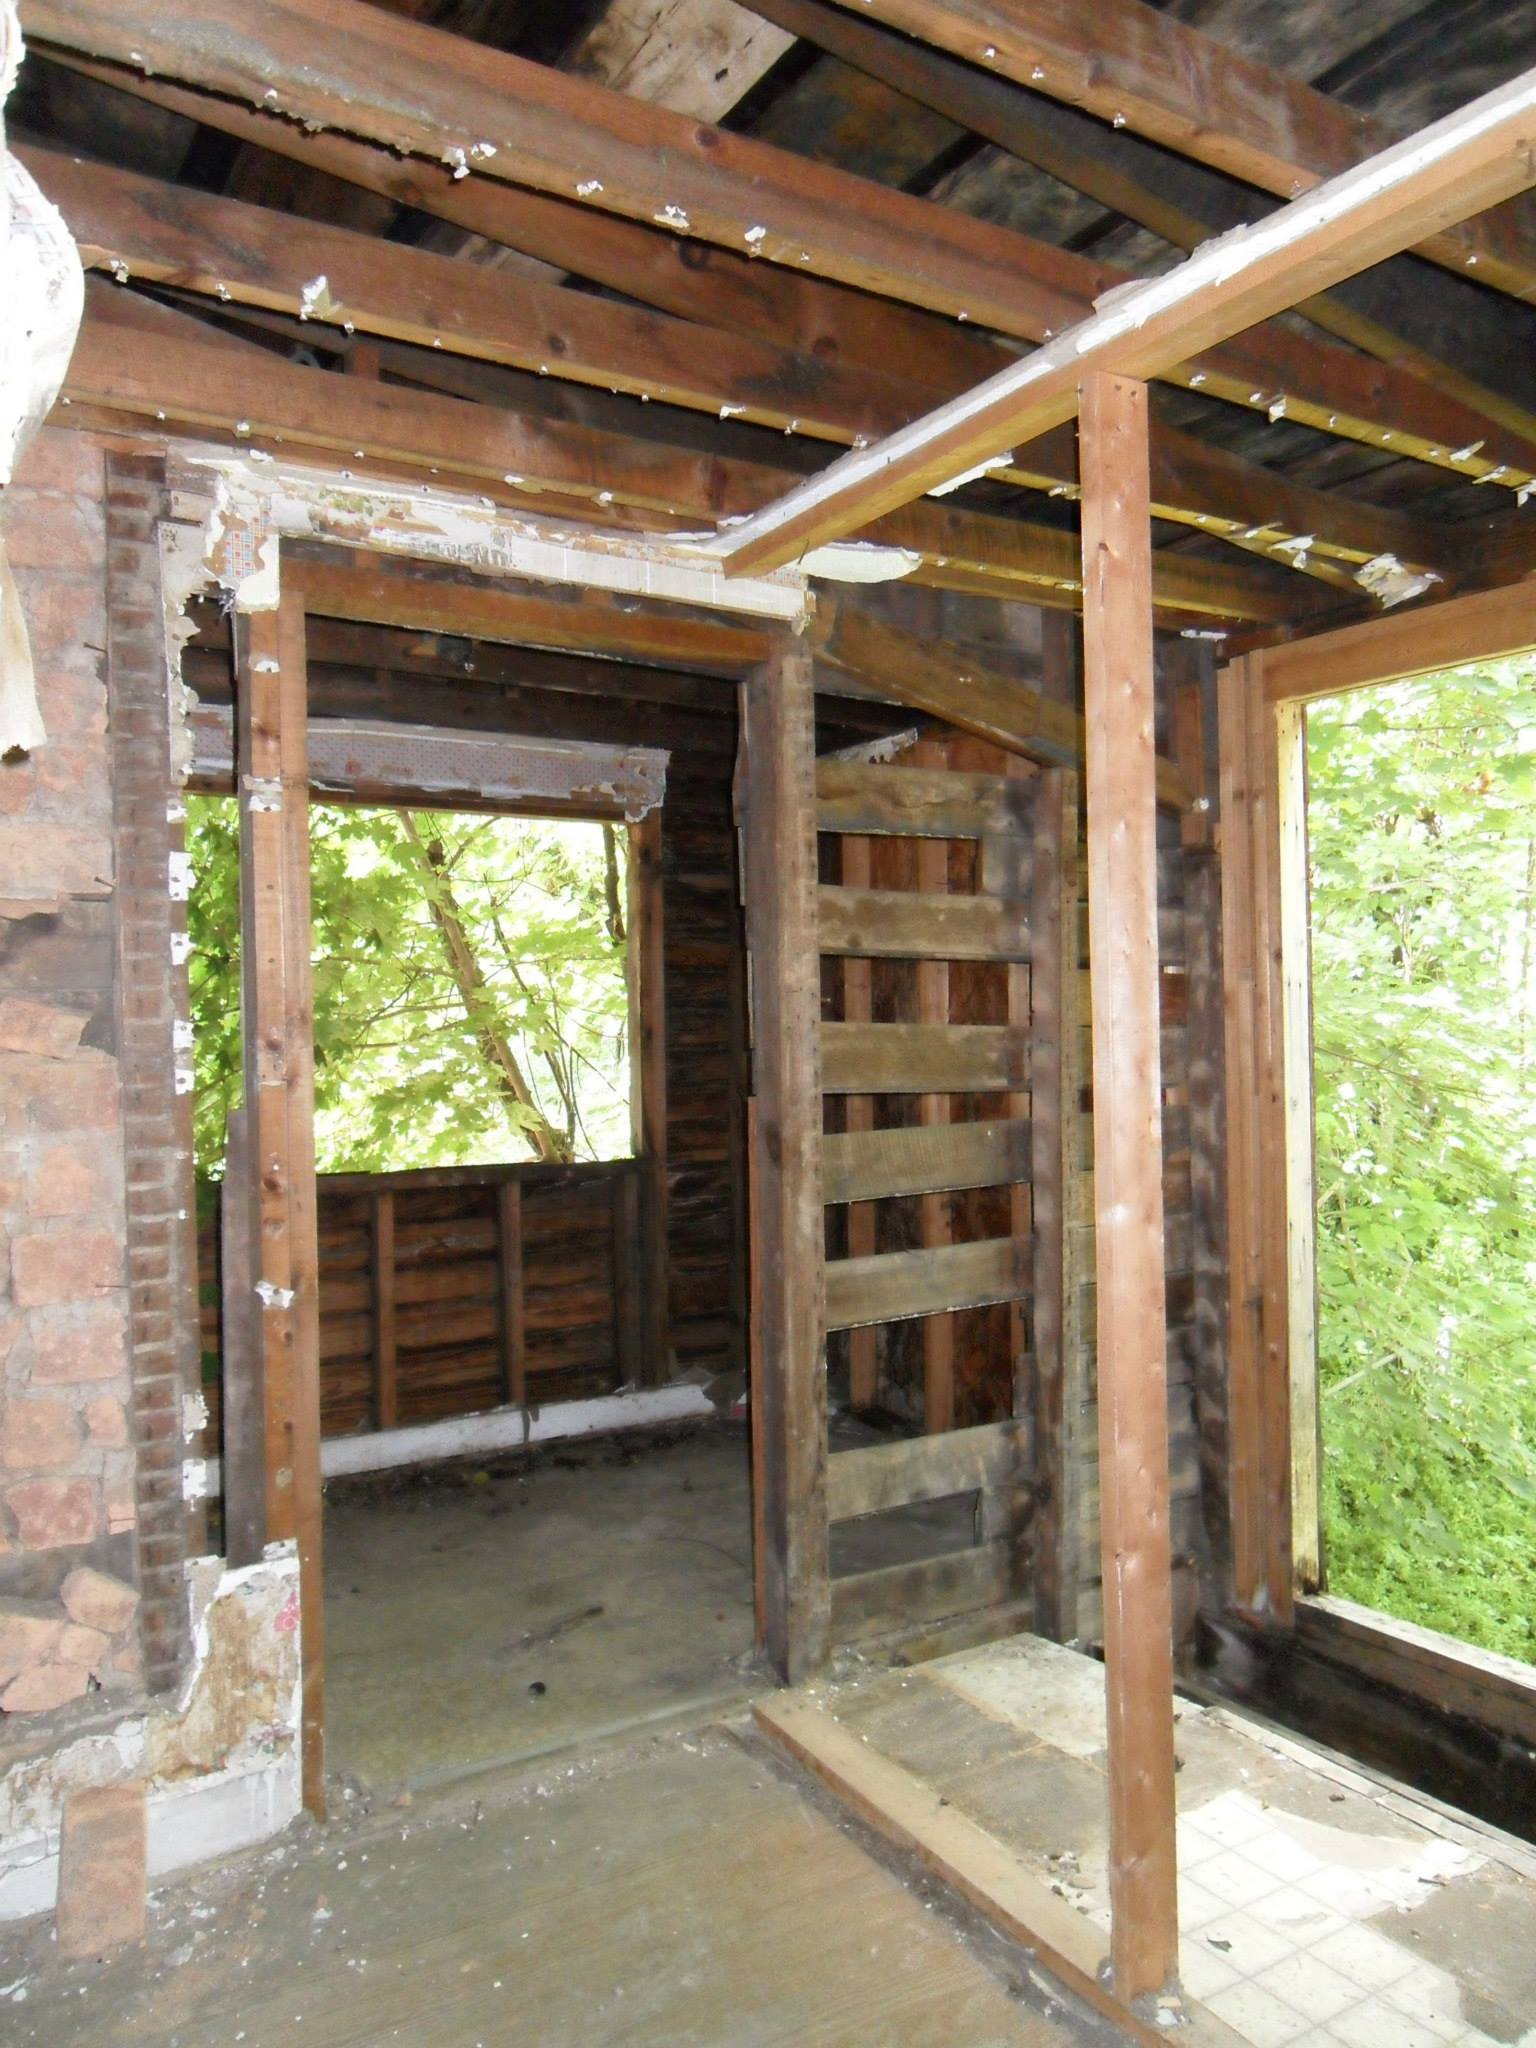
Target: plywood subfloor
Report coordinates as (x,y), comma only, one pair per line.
(1318,1909)
(676,1894)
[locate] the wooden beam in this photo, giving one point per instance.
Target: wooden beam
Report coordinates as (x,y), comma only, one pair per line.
(896,1286)
(279,1106)
(864,1166)
(1484,625)
(878,1477)
(986,702)
(903,924)
(295,410)
(242,1408)
(1128,1182)
(143,228)
(1454,168)
(788,1374)
(566,137)
(1126,175)
(1132,65)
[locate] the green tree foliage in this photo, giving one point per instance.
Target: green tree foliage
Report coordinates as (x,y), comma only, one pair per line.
(1423,834)
(469,987)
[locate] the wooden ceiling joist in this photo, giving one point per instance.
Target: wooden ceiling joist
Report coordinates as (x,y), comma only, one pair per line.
(518,459)
(1138,66)
(1459,166)
(233,253)
(1122,173)
(499,118)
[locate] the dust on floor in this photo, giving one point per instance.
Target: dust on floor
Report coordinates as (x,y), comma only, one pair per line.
(675,1892)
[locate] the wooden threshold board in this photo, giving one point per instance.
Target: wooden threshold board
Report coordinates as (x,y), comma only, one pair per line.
(973,1864)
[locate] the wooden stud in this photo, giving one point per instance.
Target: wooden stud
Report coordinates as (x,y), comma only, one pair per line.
(1056,1086)
(789,1391)
(1128,1178)
(935,1223)
(1484,625)
(858,1117)
(648,1089)
(628,1280)
(511,1336)
(242,1410)
(279,1097)
(386,1389)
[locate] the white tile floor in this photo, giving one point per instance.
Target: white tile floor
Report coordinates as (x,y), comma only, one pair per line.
(1277,1942)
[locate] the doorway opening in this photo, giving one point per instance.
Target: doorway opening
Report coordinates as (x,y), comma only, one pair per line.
(1421,817)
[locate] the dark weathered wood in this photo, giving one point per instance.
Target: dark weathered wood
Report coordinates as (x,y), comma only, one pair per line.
(893,1286)
(860,1166)
(881,1476)
(906,1596)
(858,1118)
(1195,94)
(914,1059)
(628,1280)
(511,1333)
(1128,1173)
(789,1436)
(648,1093)
(900,924)
(279,1095)
(386,1361)
(1056,1081)
(940,803)
(243,1432)
(975,699)
(935,1217)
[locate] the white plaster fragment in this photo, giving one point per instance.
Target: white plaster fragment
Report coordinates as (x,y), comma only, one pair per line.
(262,792)
(673,217)
(194,1414)
(184,1079)
(265,665)
(316,300)
(885,748)
(273,1297)
(1391,582)
(859,561)
(181,949)
(589,188)
(194,1479)
(179,876)
(181,1034)
(969,476)
(456,161)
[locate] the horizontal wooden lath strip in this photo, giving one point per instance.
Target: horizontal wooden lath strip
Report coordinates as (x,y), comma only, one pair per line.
(865,1166)
(900,1595)
(880,1476)
(893,1286)
(923,1059)
(933,803)
(893,924)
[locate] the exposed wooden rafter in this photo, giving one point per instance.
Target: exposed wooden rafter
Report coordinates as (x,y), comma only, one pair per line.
(1139,67)
(1456,167)
(525,461)
(427,94)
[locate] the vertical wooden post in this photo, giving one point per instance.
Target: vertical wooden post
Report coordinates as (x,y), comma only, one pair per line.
(624,1195)
(511,1339)
(279,1099)
(789,1384)
(1257,1164)
(1303,1421)
(242,1412)
(648,1094)
(386,1391)
(935,1218)
(1128,1178)
(1055,1113)
(859,1115)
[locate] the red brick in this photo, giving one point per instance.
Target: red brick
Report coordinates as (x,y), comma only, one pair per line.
(91,1647)
(58,533)
(52,1514)
(96,1600)
(59,459)
(63,1265)
(72,1178)
(103,1860)
(38,1028)
(87,1343)
(38,1434)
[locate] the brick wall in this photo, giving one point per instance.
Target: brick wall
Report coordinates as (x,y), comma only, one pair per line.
(93,1533)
